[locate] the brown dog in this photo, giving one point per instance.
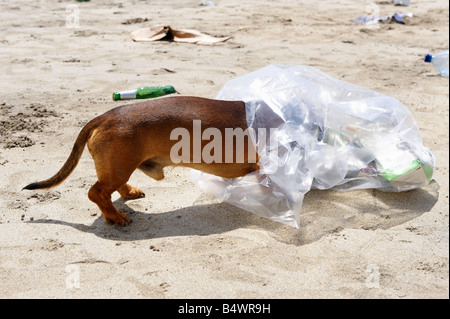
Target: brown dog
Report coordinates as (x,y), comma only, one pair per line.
(139,136)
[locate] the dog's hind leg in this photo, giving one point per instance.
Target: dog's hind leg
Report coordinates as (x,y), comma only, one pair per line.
(113,172)
(111,179)
(130,192)
(100,194)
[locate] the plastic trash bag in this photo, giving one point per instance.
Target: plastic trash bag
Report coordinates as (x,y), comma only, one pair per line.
(312,131)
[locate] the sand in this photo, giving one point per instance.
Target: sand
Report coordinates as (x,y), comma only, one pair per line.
(182,243)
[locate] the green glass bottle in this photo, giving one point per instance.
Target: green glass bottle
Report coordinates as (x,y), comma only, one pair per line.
(144,92)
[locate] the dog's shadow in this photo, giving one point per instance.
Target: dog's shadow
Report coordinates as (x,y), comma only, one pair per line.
(323,213)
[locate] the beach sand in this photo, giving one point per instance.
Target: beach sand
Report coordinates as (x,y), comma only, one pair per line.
(54,77)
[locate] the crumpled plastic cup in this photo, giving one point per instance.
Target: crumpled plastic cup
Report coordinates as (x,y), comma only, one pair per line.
(319,133)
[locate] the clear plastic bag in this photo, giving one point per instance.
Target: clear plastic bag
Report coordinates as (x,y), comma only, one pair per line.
(312,131)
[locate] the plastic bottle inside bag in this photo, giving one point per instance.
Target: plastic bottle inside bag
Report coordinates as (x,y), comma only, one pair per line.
(379,154)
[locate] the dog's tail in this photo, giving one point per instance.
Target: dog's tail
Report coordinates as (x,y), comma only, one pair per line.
(70,163)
